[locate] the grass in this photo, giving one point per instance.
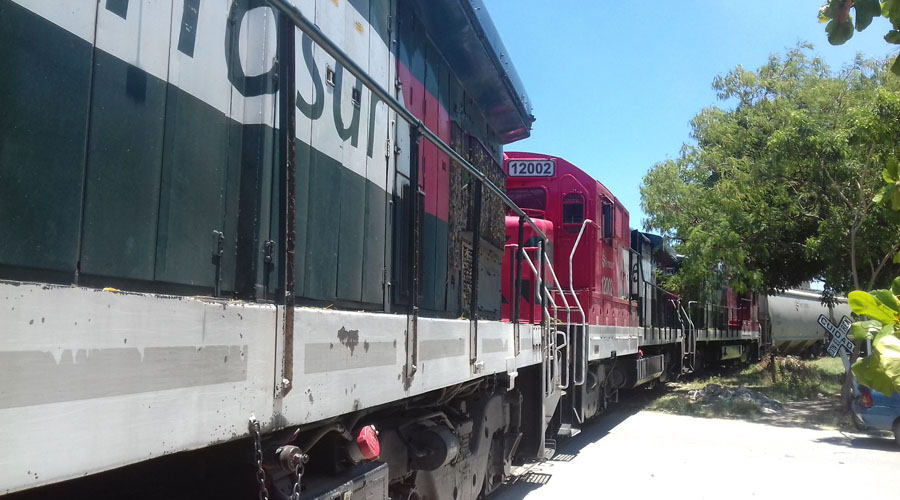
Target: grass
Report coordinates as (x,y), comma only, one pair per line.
(809,390)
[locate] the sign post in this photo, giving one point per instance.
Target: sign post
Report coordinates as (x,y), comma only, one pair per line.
(839,343)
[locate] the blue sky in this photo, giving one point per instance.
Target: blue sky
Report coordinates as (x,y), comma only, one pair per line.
(614,85)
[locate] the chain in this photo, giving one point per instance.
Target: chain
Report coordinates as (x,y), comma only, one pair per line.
(258,456)
(298,471)
(297,458)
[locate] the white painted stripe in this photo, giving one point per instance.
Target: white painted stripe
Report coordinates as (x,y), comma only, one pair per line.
(148,38)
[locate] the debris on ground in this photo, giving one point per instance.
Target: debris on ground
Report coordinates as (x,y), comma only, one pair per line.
(715,393)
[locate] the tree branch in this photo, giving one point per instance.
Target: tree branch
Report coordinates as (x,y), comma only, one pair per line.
(837,188)
(884,261)
(845,11)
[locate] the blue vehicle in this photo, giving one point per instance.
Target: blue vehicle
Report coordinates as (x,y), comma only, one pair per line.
(873,410)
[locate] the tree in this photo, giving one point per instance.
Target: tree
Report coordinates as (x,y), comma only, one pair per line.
(839,22)
(779,188)
(881,370)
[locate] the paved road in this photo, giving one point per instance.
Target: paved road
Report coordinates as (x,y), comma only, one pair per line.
(653,455)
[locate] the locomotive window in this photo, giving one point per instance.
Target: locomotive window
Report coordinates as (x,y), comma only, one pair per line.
(573,208)
(608,219)
(533,198)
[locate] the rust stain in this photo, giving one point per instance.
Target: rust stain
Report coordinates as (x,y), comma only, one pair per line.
(348,338)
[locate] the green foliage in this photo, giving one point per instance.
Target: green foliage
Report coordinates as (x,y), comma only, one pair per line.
(881,370)
(839,22)
(891,190)
(839,31)
(862,329)
(779,188)
(866,304)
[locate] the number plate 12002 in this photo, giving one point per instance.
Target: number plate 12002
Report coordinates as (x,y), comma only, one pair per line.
(531,168)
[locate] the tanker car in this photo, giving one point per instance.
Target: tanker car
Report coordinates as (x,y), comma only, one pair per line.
(262,247)
(795,327)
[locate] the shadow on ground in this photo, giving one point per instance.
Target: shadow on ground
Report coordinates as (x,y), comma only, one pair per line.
(568,450)
(878,443)
(807,414)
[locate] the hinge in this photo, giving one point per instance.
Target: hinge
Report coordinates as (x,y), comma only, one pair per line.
(218,244)
(387,148)
(276,71)
(268,251)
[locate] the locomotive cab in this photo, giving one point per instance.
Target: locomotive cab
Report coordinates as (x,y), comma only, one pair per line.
(527,293)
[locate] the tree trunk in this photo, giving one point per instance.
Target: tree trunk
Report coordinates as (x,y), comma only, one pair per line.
(853,271)
(773,366)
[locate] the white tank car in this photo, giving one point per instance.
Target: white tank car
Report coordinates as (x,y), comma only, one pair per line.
(794,316)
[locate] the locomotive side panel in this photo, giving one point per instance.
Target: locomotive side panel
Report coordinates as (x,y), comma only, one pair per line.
(31,49)
(123,173)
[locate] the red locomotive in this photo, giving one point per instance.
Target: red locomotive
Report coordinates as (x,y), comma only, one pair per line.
(590,234)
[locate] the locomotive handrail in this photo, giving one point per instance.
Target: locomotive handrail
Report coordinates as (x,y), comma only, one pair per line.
(564,371)
(541,284)
(310,29)
(552,347)
(583,366)
(692,339)
(568,316)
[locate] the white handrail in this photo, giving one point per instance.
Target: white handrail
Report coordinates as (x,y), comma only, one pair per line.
(560,288)
(692,340)
(584,334)
(565,302)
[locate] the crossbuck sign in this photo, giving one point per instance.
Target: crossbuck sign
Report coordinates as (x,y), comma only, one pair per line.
(839,342)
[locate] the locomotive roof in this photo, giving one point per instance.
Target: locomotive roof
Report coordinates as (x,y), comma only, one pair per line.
(661,249)
(465,34)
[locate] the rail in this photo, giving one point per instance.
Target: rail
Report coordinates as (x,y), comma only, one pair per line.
(310,29)
(568,318)
(691,339)
(583,365)
(552,321)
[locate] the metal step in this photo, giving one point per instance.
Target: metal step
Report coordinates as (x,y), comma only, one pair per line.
(549,448)
(566,430)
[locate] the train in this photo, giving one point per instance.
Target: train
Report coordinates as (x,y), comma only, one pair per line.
(794,318)
(277,247)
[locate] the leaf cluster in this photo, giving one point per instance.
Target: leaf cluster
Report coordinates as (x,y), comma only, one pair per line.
(881,370)
(840,23)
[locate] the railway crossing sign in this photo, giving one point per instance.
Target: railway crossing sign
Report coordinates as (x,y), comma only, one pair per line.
(839,342)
